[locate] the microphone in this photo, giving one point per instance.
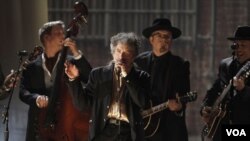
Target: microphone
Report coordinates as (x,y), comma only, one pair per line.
(22,53)
(118,70)
(234,46)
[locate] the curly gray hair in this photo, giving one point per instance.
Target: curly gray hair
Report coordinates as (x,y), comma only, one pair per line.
(130,38)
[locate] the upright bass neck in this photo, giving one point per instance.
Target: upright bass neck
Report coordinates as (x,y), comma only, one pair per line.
(81,12)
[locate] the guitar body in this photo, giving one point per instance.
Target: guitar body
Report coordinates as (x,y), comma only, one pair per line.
(151,116)
(213,123)
(151,124)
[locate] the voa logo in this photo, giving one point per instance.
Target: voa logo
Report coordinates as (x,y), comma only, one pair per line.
(236,132)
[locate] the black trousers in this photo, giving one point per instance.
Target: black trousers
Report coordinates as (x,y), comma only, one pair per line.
(115,132)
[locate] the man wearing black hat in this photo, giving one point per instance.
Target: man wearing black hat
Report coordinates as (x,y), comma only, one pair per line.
(234,106)
(169,79)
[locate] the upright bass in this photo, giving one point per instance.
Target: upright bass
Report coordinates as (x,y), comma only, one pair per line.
(61,121)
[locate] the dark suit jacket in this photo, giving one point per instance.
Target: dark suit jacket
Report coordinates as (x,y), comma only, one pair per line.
(33,84)
(169,77)
(97,92)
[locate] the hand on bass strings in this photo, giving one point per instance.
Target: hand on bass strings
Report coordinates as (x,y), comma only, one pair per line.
(42,101)
(71,70)
(71,44)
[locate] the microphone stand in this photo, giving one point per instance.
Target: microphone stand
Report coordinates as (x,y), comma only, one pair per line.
(6,112)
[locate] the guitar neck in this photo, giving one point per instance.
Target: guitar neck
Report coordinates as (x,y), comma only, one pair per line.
(190,96)
(155,109)
(222,96)
(243,72)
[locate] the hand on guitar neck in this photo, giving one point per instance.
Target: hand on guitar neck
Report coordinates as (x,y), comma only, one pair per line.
(175,104)
(152,120)
(239,83)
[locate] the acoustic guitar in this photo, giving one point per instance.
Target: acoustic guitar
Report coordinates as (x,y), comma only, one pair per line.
(218,110)
(13,76)
(152,120)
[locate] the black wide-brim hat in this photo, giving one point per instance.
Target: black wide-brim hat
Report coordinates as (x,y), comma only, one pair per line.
(242,33)
(162,24)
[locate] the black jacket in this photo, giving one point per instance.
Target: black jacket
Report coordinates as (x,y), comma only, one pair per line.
(33,84)
(97,94)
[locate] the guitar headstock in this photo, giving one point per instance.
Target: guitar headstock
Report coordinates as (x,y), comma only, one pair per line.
(32,56)
(37,51)
(190,96)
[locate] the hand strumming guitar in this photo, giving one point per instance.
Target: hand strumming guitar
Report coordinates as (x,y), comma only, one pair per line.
(206,113)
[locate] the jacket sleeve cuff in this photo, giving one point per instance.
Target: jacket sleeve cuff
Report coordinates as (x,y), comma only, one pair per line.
(79,56)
